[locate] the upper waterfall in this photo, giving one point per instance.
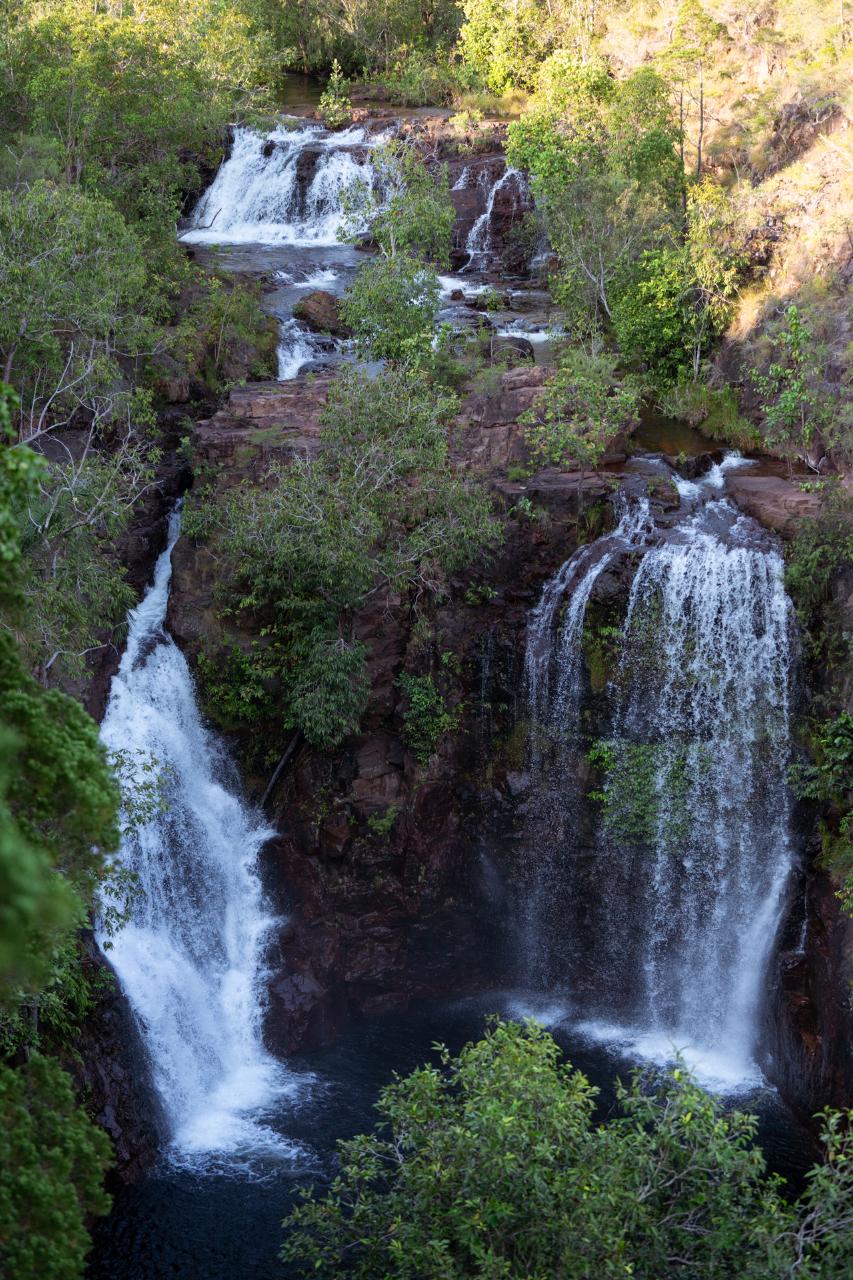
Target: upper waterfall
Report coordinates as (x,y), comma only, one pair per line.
(673,897)
(190,958)
(281,187)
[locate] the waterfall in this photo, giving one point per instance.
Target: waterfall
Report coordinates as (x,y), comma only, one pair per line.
(283,187)
(659,915)
(480,244)
(190,957)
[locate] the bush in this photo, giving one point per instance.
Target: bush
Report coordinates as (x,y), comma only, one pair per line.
(52,1163)
(334,107)
(715,412)
(494,1166)
(427,718)
(381,506)
(581,410)
(820,549)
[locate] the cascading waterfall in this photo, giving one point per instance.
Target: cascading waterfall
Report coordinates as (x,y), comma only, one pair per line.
(661,921)
(190,957)
(480,246)
(284,187)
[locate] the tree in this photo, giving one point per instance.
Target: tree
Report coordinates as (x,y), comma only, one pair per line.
(605,172)
(798,409)
(657,317)
(59,821)
(52,1163)
(334,107)
(493,1165)
(693,38)
(583,407)
(382,507)
(392,306)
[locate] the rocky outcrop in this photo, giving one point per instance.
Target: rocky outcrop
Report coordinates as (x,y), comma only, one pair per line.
(809,1029)
(320,311)
(773,501)
(114,1077)
(380,863)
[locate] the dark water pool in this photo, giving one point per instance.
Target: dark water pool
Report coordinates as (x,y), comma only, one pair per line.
(183,1226)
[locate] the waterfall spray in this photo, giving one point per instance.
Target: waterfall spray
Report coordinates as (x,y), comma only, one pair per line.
(190,958)
(675,899)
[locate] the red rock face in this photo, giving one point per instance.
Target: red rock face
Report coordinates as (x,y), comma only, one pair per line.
(810,1024)
(378,917)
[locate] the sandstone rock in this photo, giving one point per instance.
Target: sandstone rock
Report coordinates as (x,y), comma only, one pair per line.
(772,500)
(320,311)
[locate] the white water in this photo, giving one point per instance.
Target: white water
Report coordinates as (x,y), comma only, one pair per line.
(293,195)
(296,348)
(480,244)
(190,959)
(679,924)
(553,694)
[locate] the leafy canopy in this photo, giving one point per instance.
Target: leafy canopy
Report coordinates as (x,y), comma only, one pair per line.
(52,1164)
(493,1165)
(382,506)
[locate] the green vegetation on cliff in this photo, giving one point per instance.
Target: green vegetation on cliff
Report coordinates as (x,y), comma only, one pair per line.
(381,508)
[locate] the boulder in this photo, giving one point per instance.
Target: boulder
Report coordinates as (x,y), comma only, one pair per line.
(320,311)
(512,349)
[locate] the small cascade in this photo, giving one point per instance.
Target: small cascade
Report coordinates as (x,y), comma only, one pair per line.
(190,959)
(553,655)
(480,243)
(298,346)
(284,187)
(658,915)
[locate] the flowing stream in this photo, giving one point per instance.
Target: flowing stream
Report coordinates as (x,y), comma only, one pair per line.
(190,957)
(659,921)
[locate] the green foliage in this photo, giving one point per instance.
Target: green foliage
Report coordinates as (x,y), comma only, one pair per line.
(828,779)
(820,549)
(382,824)
(796,405)
(129,96)
(422,78)
(644,793)
(21,470)
(392,308)
(506,42)
(583,406)
(492,1165)
(58,819)
(655,319)
(427,717)
(715,411)
(606,173)
(335,108)
(52,1162)
(72,285)
(382,506)
(225,316)
(406,204)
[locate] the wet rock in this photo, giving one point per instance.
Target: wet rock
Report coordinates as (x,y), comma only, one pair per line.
(320,311)
(809,1026)
(114,1076)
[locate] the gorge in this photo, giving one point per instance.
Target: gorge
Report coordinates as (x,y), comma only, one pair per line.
(426,602)
(608,843)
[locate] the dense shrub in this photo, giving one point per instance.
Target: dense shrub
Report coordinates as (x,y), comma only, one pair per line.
(492,1164)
